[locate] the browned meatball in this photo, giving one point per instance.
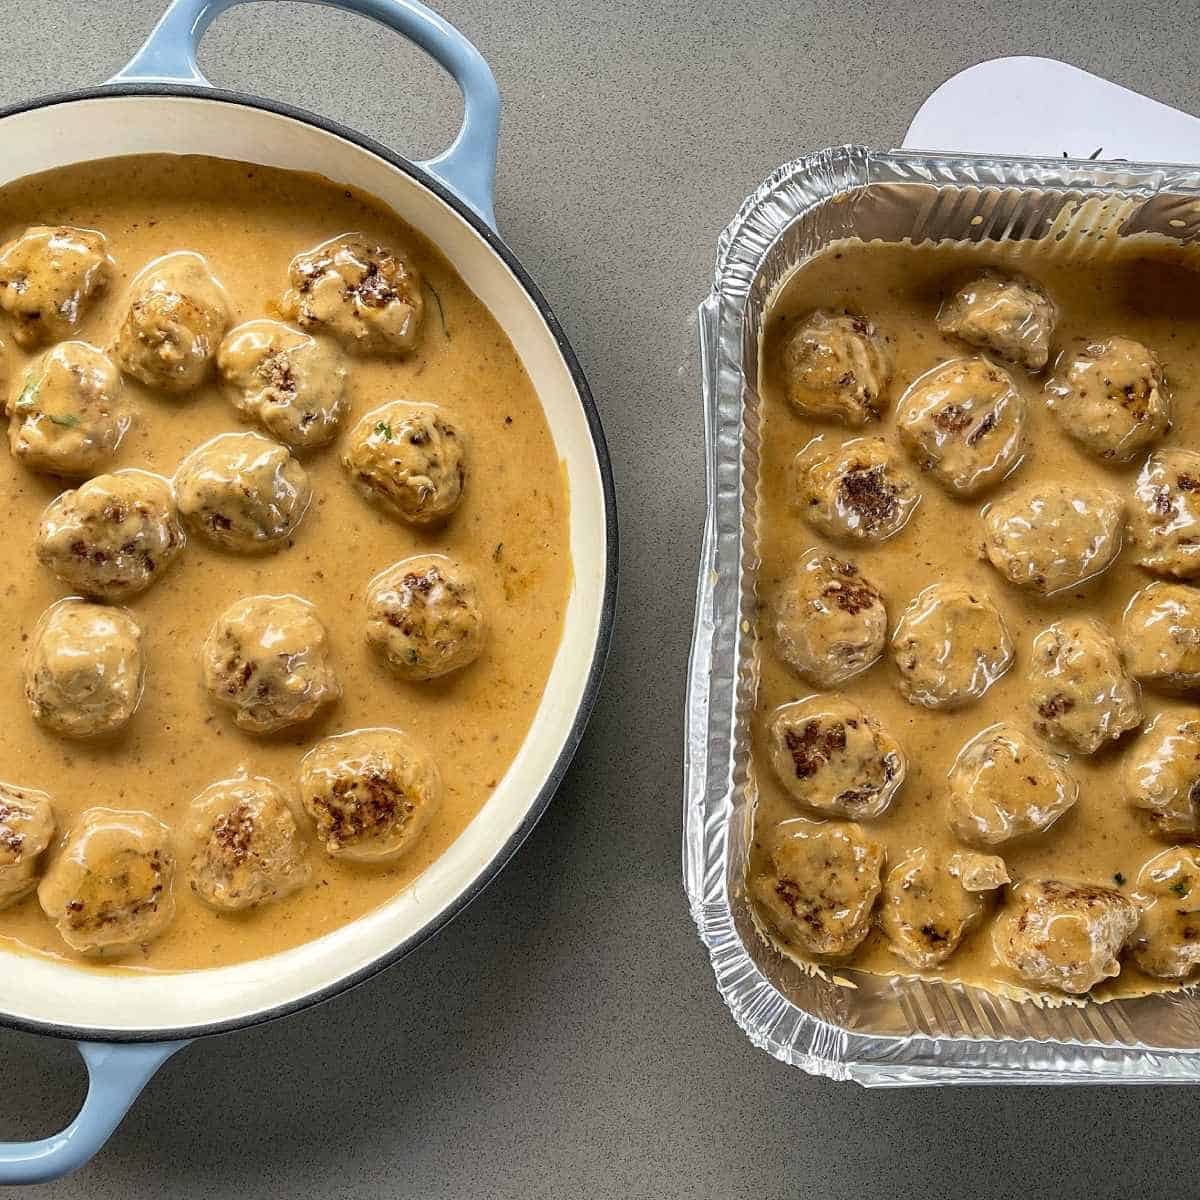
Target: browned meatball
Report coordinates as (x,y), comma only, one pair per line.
(1160,633)
(1004,786)
(26,827)
(951,644)
(69,416)
(178,313)
(1161,775)
(964,423)
(412,459)
(1063,935)
(111,887)
(83,669)
(831,622)
(267,658)
(1052,536)
(1168,894)
(834,758)
(820,887)
(370,794)
(1111,397)
(243,492)
(1164,520)
(930,902)
(367,296)
(836,367)
(49,276)
(856,492)
(113,536)
(425,616)
(287,381)
(1079,691)
(1010,316)
(246,849)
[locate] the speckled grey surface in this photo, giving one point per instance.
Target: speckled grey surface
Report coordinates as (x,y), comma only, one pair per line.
(564,1038)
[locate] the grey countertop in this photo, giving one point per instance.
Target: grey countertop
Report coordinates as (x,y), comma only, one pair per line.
(564,1037)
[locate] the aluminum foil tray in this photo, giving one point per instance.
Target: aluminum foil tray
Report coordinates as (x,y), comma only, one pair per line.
(849,1024)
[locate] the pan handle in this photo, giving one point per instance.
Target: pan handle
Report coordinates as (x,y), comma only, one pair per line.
(116,1076)
(467,168)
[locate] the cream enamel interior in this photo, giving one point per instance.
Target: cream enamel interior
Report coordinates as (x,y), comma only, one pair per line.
(49,992)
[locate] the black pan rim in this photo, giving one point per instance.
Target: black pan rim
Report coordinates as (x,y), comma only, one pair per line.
(608,605)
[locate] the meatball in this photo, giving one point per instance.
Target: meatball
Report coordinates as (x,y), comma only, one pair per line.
(367,296)
(83,669)
(243,492)
(287,381)
(820,889)
(1079,691)
(857,491)
(111,887)
(964,422)
(113,536)
(69,416)
(1010,316)
(951,644)
(929,903)
(1161,634)
(425,616)
(1161,776)
(1052,536)
(412,459)
(831,623)
(177,315)
(1168,894)
(1111,397)
(370,794)
(836,367)
(1004,786)
(267,658)
(246,847)
(26,827)
(1164,519)
(49,276)
(1063,935)
(834,758)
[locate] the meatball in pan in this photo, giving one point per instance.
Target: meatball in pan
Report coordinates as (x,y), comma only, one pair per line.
(246,849)
(110,888)
(50,276)
(370,794)
(113,536)
(425,616)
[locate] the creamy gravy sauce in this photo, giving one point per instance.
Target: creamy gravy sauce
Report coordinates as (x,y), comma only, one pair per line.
(1146,292)
(511,529)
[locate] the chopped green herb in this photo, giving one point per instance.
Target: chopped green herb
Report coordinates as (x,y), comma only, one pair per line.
(496,552)
(1119,879)
(384,430)
(441,311)
(1180,887)
(67,420)
(413,656)
(25,399)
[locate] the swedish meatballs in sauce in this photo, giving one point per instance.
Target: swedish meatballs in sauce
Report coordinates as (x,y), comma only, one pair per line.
(285,560)
(976,751)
